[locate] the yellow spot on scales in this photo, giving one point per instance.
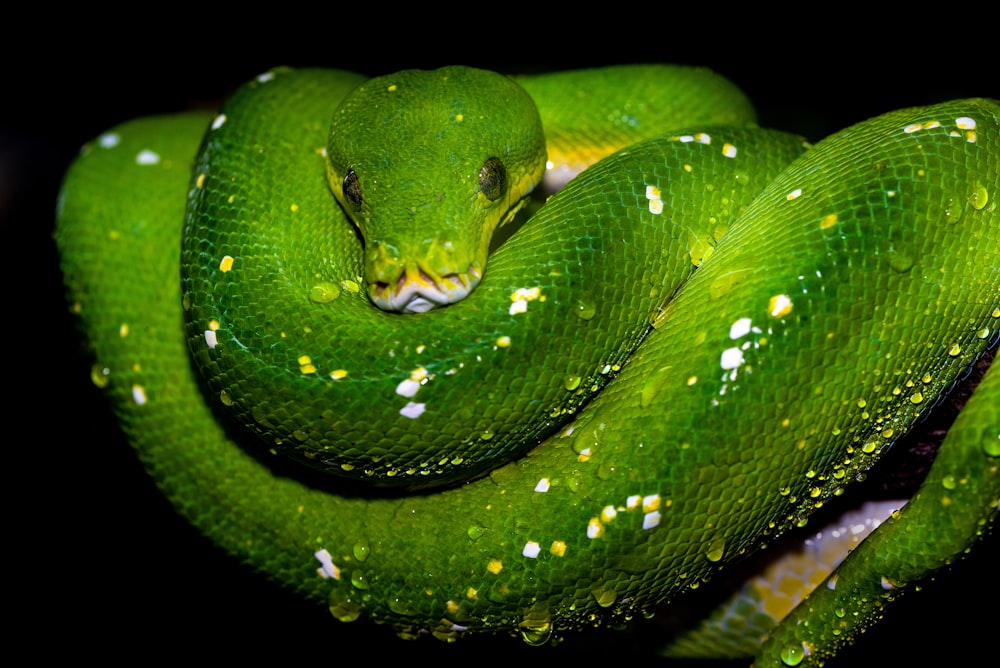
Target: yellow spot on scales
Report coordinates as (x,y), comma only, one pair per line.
(916,127)
(338,374)
(729,150)
(227,263)
(828,221)
(123,330)
(520,298)
(306,365)
(651,503)
(495,566)
(526,294)
(503,342)
(200,181)
(779,306)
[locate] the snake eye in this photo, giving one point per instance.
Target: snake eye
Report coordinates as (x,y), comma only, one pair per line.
(493,179)
(352,189)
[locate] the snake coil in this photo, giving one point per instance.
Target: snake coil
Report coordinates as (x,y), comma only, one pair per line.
(692,346)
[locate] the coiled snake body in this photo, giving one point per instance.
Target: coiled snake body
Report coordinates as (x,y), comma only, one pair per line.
(689,349)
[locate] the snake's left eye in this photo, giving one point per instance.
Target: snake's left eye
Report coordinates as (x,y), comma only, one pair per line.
(352,189)
(493,179)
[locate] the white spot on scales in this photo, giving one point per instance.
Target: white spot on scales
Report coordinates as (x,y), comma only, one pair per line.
(409,387)
(327,568)
(147,157)
(109,140)
(519,299)
(739,328)
(412,410)
(655,202)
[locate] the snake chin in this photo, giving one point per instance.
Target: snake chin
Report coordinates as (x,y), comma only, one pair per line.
(416,291)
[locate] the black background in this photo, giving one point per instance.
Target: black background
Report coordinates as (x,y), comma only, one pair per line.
(99,564)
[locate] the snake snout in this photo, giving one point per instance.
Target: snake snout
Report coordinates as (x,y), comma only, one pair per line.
(419,276)
(417,290)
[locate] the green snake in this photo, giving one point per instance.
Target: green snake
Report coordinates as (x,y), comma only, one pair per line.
(698,342)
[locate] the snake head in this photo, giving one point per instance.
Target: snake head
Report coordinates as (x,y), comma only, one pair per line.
(427,165)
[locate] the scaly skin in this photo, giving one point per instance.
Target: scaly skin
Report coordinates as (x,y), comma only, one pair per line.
(853,290)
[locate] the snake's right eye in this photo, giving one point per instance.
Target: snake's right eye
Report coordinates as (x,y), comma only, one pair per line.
(352,189)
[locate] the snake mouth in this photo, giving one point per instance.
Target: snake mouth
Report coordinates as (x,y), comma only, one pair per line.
(417,291)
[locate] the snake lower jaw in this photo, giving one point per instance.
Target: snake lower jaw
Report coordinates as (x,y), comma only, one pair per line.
(418,292)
